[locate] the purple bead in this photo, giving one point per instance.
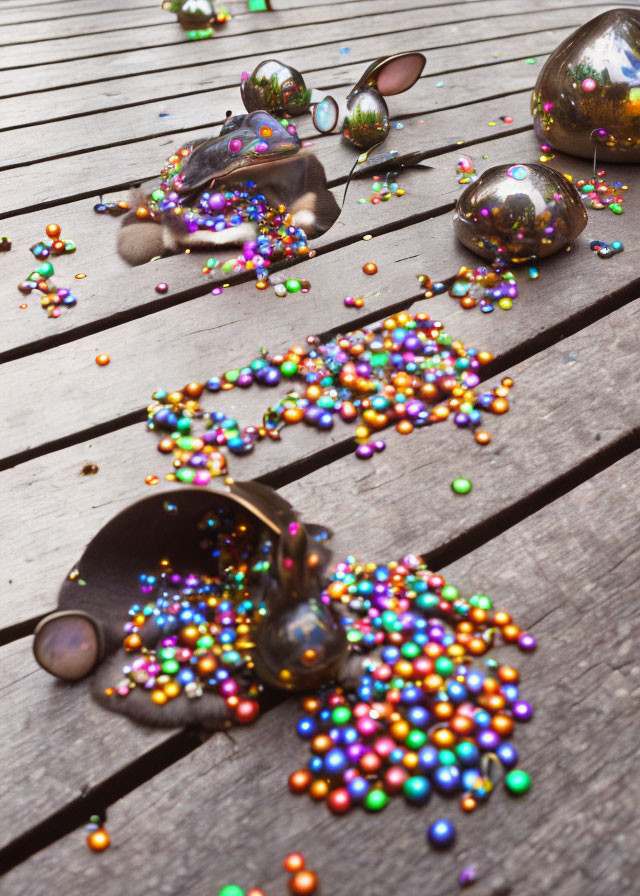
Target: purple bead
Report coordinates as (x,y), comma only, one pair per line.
(522,710)
(364,451)
(467,876)
(244,380)
(217,202)
(527,642)
(379,445)
(414,407)
(488,739)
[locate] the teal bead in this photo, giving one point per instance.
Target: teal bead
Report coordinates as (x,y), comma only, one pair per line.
(517,782)
(417,790)
(46,269)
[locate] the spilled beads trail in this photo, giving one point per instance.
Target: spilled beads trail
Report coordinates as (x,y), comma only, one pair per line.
(407,372)
(599,193)
(53,298)
(425,715)
(383,190)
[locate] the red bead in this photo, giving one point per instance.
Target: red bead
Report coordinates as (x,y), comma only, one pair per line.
(246,711)
(394,779)
(339,801)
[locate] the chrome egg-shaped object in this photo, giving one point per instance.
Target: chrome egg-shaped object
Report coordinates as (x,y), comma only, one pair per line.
(195,14)
(366,120)
(519,212)
(587,95)
(275,87)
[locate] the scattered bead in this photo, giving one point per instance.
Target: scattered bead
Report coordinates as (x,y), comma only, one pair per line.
(162,287)
(370,268)
(517,782)
(102,360)
(98,840)
(461,486)
(441,834)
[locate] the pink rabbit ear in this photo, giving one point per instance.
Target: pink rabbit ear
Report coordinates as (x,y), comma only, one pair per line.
(393,74)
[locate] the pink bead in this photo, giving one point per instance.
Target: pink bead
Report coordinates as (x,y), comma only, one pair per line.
(235,145)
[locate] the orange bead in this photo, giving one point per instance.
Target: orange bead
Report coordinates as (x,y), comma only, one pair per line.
(443,738)
(193,390)
(299,781)
(500,617)
(132,642)
(443,711)
(476,646)
(304,883)
(499,405)
(293,415)
(485,357)
(53,231)
(159,698)
(467,804)
(102,360)
(97,840)
(294,862)
(318,790)
(400,730)
(508,674)
(166,445)
(502,724)
(321,743)
(462,725)
(478,615)
(510,632)
(482,437)
(468,302)
(370,268)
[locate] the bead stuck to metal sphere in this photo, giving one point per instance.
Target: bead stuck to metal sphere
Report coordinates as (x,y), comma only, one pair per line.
(587,93)
(518,213)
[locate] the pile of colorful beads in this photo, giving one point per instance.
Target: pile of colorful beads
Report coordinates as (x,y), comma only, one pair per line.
(605,250)
(426,714)
(115,209)
(278,238)
(53,298)
(383,190)
(598,193)
(485,287)
(303,881)
(407,372)
(203,624)
(53,245)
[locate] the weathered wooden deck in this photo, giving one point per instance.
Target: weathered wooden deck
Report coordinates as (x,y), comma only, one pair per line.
(550,529)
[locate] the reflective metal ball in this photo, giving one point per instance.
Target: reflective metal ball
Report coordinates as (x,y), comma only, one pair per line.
(519,212)
(275,87)
(366,120)
(588,93)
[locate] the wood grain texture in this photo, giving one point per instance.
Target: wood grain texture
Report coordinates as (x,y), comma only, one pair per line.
(560,573)
(133,32)
(139,123)
(146,354)
(101,66)
(169,89)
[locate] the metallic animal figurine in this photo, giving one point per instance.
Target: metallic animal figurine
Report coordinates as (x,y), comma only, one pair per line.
(363,116)
(254,147)
(206,541)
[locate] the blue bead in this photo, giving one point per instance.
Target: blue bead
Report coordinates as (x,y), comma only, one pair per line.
(306,727)
(358,788)
(507,755)
(315,764)
(447,778)
(441,833)
(335,762)
(467,752)
(419,716)
(428,758)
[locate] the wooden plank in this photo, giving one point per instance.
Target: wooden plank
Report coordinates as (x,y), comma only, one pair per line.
(63,715)
(104,170)
(198,53)
(31,573)
(143,122)
(582,680)
(323,27)
(169,347)
(63,9)
(112,288)
(117,93)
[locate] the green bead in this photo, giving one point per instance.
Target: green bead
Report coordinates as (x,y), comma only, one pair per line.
(185,474)
(205,642)
(171,667)
(166,653)
(416,739)
(616,208)
(288,368)
(258,364)
(517,782)
(184,424)
(410,650)
(231,376)
(375,800)
(341,715)
(482,601)
(461,486)
(157,195)
(443,666)
(185,443)
(427,601)
(293,285)
(231,890)
(449,592)
(46,269)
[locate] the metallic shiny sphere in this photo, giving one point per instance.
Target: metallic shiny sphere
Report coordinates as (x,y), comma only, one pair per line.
(519,212)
